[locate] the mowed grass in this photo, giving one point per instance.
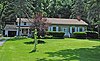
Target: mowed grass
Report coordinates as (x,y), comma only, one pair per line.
(53,50)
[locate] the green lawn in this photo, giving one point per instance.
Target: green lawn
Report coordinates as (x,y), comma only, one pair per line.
(53,50)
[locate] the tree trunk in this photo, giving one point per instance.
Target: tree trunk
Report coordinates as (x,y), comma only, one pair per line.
(35,40)
(98,31)
(1,31)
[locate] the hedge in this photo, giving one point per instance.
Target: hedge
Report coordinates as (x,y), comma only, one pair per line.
(55,34)
(87,34)
(92,34)
(80,35)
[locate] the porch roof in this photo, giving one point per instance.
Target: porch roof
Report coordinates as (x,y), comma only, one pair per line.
(10,27)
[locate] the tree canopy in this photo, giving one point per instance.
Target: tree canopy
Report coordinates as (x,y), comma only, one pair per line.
(88,10)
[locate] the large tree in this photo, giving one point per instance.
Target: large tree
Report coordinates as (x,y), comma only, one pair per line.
(39,26)
(77,9)
(3,4)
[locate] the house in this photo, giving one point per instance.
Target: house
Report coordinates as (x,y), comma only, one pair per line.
(57,24)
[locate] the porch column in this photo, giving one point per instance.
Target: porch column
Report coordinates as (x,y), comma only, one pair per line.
(51,28)
(75,29)
(17,32)
(66,30)
(78,29)
(57,29)
(6,32)
(20,32)
(70,29)
(83,29)
(28,32)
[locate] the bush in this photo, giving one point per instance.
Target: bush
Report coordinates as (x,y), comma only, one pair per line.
(92,34)
(0,35)
(48,37)
(87,34)
(56,34)
(20,37)
(80,35)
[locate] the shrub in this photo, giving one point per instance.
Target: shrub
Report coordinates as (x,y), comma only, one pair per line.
(0,35)
(92,34)
(79,35)
(87,34)
(48,37)
(20,37)
(56,34)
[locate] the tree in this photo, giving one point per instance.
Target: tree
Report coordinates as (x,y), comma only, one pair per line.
(3,4)
(8,15)
(39,25)
(12,9)
(78,9)
(22,9)
(93,14)
(64,7)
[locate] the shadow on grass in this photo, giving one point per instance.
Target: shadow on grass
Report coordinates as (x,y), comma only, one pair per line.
(82,54)
(14,39)
(32,42)
(94,40)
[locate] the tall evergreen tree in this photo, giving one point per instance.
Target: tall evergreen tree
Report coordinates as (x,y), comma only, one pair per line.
(3,4)
(77,9)
(22,9)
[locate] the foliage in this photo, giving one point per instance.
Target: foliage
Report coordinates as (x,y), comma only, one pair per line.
(56,34)
(88,10)
(92,34)
(40,24)
(20,37)
(80,35)
(9,14)
(87,34)
(48,37)
(78,9)
(12,9)
(0,35)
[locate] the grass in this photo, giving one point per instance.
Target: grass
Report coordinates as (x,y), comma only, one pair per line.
(53,50)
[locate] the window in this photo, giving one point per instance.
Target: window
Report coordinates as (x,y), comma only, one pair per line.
(16,23)
(54,28)
(24,23)
(29,31)
(59,28)
(80,29)
(73,29)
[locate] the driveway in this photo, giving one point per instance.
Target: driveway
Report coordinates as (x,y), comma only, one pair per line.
(3,41)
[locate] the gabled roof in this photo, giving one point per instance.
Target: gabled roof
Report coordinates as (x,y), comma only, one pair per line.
(58,21)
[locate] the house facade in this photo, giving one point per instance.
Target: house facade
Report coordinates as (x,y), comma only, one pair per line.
(57,24)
